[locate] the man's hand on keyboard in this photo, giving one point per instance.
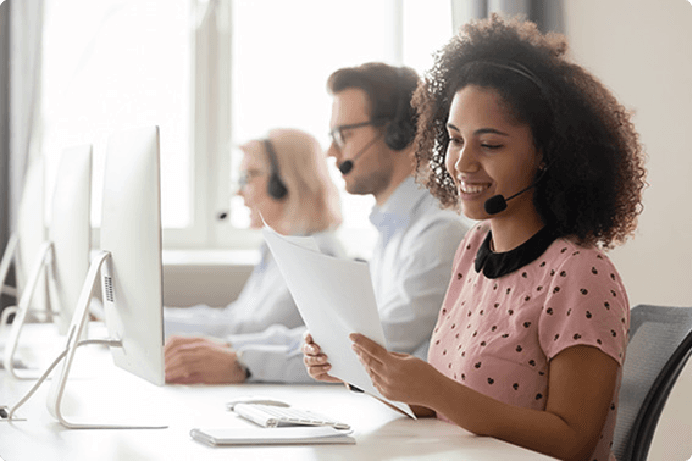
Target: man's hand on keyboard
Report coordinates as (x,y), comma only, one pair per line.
(201,360)
(316,361)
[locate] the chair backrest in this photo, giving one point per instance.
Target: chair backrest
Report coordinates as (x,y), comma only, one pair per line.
(659,346)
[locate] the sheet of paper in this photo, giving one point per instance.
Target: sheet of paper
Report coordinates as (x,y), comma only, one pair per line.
(304,241)
(335,298)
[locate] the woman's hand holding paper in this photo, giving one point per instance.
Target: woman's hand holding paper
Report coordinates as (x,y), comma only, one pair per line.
(316,361)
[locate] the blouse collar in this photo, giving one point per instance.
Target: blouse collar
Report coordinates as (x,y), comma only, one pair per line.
(495,265)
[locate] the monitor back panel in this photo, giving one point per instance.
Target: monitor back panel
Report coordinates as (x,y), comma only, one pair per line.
(70,229)
(131,232)
(31,232)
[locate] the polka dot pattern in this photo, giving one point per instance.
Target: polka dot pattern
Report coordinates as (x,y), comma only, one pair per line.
(569,296)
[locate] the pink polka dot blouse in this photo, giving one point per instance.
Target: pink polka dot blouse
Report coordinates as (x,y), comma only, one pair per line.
(497,335)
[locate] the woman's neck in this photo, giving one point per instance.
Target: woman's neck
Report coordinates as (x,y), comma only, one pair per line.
(510,233)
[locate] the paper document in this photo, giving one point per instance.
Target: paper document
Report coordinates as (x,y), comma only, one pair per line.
(335,298)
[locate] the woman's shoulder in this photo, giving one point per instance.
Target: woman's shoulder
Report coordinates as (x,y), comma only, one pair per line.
(472,241)
(477,233)
(565,254)
(565,249)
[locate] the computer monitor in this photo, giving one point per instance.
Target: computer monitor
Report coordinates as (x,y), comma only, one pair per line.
(64,256)
(131,233)
(31,228)
(28,235)
(129,263)
(70,232)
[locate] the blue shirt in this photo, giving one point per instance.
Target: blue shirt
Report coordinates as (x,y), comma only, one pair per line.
(410,269)
(264,301)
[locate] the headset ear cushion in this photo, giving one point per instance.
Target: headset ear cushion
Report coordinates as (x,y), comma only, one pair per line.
(399,134)
(276,187)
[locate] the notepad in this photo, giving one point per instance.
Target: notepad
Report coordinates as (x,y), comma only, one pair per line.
(220,437)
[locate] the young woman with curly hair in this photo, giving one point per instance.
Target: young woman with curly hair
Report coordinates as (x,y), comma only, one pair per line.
(531,338)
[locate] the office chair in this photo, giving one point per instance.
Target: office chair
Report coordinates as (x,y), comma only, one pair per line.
(659,346)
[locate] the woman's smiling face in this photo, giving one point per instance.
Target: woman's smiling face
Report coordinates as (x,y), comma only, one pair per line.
(490,153)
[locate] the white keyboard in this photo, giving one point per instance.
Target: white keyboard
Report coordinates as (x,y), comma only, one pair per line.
(275,416)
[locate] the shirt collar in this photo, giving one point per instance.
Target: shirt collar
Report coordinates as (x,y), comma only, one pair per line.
(495,265)
(265,257)
(396,211)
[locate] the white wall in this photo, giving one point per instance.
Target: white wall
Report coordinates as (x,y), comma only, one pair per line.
(209,284)
(642,49)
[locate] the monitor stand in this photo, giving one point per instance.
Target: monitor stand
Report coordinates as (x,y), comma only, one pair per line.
(44,256)
(79,319)
(7,259)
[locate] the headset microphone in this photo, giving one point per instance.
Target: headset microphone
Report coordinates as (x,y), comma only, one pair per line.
(347,165)
(498,203)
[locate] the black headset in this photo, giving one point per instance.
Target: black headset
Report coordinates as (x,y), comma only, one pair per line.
(276,188)
(401,130)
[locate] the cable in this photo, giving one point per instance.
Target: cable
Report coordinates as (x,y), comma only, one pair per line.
(85,342)
(31,392)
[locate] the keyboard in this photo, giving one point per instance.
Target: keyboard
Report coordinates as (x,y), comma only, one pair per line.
(276,416)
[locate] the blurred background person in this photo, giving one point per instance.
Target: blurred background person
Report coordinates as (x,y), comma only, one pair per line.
(372,127)
(283,179)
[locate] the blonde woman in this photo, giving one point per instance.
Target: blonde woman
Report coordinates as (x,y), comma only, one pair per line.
(284,179)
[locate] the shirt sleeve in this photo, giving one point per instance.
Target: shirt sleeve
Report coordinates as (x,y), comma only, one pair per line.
(586,305)
(409,314)
(273,355)
(264,301)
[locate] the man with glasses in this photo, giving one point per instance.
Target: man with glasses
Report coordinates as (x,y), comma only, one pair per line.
(373,127)
(372,130)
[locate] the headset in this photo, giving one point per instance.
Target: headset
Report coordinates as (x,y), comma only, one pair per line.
(276,188)
(401,130)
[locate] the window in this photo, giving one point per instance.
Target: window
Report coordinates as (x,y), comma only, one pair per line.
(283,53)
(213,74)
(117,64)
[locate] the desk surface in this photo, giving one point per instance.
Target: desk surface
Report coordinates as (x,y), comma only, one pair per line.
(100,392)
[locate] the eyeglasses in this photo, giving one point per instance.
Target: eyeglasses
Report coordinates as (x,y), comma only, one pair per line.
(337,133)
(247,176)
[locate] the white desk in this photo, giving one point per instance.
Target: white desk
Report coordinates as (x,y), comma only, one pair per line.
(102,391)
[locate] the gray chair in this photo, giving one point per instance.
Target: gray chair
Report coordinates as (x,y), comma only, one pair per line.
(659,346)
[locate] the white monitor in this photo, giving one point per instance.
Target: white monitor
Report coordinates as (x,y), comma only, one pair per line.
(130,266)
(131,233)
(70,232)
(32,231)
(65,255)
(28,235)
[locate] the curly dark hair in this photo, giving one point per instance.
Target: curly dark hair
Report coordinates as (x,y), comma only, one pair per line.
(591,190)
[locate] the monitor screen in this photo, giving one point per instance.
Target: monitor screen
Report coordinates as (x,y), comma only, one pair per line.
(129,265)
(64,256)
(70,231)
(131,282)
(31,232)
